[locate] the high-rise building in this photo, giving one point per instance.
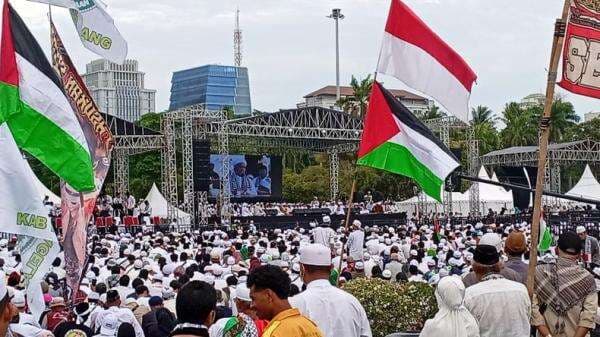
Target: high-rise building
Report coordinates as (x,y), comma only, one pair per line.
(119,90)
(215,86)
(591,116)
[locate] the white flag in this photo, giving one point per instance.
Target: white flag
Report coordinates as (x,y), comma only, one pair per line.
(22,213)
(96,28)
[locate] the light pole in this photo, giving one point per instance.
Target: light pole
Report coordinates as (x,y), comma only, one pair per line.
(337,15)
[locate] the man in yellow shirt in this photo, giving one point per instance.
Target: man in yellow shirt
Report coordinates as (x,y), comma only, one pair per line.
(269,291)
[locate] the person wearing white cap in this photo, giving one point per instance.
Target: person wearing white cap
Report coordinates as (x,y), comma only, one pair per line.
(243,303)
(7,310)
(240,182)
(24,318)
(323,234)
(591,249)
(356,241)
(336,312)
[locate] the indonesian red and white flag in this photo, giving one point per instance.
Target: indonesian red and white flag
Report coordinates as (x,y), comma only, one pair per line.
(417,56)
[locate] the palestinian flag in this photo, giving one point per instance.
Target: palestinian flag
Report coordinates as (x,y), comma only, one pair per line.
(395,140)
(36,109)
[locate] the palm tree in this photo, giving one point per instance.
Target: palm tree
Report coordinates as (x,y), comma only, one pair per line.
(482,114)
(488,136)
(563,117)
(356,105)
(521,128)
(433,113)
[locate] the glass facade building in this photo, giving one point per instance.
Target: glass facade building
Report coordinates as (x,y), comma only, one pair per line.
(214,85)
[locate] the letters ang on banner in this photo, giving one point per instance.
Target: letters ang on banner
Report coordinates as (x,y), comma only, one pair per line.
(581,63)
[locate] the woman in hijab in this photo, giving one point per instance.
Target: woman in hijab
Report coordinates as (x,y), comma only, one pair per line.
(452,319)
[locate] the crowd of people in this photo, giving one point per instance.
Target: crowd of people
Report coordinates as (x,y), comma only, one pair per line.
(285,283)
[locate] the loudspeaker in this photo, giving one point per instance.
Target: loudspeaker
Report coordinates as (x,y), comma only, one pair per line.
(454,182)
(201,154)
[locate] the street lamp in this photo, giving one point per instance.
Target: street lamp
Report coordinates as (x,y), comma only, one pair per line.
(337,15)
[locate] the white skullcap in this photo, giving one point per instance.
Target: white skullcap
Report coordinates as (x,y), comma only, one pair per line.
(580,229)
(242,293)
(19,299)
(387,273)
(326,218)
(238,160)
(230,261)
(315,255)
(491,239)
(356,223)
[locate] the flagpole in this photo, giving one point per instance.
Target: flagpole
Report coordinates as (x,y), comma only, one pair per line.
(348,213)
(557,45)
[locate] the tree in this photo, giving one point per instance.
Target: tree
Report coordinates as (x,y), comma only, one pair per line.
(433,113)
(563,117)
(521,129)
(151,121)
(356,105)
(488,136)
(482,114)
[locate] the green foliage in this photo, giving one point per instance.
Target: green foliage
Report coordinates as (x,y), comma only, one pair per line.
(488,136)
(313,181)
(563,117)
(144,170)
(483,115)
(151,121)
(356,105)
(521,127)
(394,307)
(587,130)
(433,113)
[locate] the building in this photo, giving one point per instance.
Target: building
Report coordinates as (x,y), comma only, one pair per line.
(326,98)
(533,100)
(214,85)
(590,116)
(119,90)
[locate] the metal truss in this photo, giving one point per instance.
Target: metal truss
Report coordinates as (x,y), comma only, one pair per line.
(138,144)
(473,146)
(170,167)
(334,171)
(561,154)
(121,171)
(311,123)
(187,154)
(202,208)
(442,126)
(225,195)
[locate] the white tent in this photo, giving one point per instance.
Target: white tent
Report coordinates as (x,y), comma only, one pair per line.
(587,186)
(160,206)
(490,196)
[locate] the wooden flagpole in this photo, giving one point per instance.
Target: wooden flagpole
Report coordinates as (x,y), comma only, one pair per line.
(557,46)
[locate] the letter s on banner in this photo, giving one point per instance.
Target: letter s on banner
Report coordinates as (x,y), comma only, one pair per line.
(581,56)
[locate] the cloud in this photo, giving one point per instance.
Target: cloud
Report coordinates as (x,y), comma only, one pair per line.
(289,45)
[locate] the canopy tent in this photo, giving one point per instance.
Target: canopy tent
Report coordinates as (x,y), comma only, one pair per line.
(490,197)
(160,206)
(587,187)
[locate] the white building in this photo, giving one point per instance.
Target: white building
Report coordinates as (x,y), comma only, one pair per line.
(326,98)
(119,89)
(533,100)
(591,115)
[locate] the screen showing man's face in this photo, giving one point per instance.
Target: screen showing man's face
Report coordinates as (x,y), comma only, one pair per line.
(240,169)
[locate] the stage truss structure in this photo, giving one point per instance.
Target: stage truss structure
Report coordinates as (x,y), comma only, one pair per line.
(304,130)
(559,155)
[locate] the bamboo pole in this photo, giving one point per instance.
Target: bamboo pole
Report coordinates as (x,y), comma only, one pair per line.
(557,45)
(348,213)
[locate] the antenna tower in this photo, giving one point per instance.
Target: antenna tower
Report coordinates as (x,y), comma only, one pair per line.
(237,40)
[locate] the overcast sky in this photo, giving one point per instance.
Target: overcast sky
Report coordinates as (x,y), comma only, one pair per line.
(289,44)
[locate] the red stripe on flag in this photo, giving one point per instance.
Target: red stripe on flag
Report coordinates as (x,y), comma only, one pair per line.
(8,66)
(380,124)
(404,24)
